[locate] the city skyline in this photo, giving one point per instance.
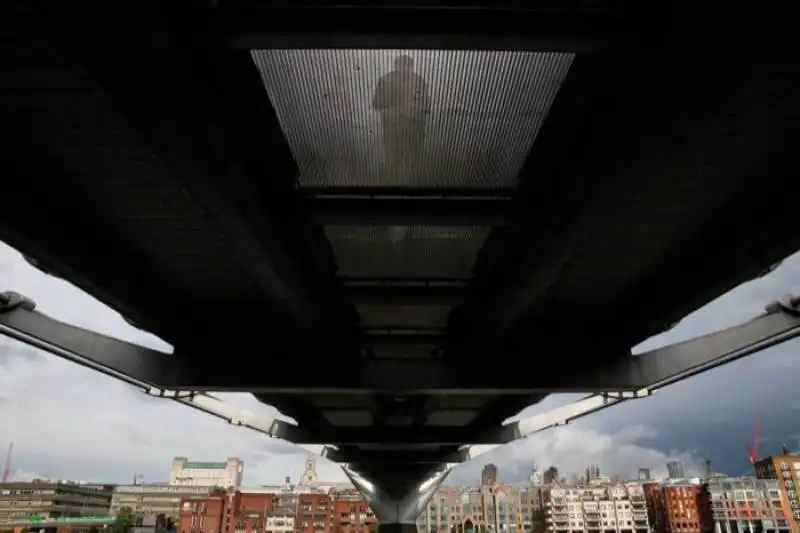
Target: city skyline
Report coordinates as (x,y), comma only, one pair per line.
(91,426)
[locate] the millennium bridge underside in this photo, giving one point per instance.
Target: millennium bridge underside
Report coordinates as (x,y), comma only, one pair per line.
(401,223)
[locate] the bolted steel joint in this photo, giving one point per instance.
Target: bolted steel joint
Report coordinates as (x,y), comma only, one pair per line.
(788,304)
(10,300)
(791,303)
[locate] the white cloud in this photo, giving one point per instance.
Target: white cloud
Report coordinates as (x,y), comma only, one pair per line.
(23,475)
(70,422)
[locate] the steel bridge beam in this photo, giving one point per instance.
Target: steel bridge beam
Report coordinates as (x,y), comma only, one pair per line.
(259,25)
(150,368)
(397,496)
(420,210)
(405,292)
(146,368)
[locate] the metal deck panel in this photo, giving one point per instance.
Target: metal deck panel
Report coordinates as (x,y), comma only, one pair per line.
(485,109)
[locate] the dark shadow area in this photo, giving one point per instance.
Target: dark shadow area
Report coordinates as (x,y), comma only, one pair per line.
(403,99)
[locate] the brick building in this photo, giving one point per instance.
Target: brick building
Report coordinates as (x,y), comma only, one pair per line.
(749,505)
(281,520)
(785,470)
(314,513)
(243,512)
(226,512)
(351,514)
(653,499)
(679,507)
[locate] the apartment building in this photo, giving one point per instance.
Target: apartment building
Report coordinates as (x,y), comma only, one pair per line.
(741,505)
(202,514)
(351,514)
(281,520)
(679,506)
(786,470)
(226,512)
(314,513)
(153,499)
(52,499)
(494,507)
(226,475)
(621,508)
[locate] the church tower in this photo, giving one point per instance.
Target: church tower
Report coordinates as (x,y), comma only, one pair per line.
(309,476)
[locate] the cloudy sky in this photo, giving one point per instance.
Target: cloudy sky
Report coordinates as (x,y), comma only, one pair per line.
(71,423)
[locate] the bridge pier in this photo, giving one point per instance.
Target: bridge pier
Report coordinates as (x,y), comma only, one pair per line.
(397,494)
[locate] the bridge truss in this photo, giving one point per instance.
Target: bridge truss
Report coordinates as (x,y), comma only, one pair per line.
(638,377)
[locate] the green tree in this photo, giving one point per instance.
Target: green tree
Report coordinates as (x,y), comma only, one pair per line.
(123,521)
(373,527)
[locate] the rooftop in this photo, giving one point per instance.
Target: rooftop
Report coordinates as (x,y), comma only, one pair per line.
(200,465)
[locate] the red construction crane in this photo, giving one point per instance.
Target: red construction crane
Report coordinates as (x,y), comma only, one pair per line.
(752,453)
(7,468)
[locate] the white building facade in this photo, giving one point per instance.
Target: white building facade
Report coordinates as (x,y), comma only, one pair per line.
(154,499)
(227,475)
(620,508)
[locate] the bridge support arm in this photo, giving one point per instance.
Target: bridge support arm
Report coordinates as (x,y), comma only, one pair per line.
(396,500)
(147,368)
(201,401)
(662,367)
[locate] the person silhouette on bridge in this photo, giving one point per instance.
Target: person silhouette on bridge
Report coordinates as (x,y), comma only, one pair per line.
(403,100)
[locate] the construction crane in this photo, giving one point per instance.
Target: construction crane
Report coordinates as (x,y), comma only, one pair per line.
(7,468)
(752,453)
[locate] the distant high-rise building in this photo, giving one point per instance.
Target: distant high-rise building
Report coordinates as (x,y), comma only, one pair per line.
(592,473)
(675,470)
(489,475)
(551,475)
(644,474)
(536,478)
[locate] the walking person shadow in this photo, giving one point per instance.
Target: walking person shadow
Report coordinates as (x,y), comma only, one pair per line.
(403,100)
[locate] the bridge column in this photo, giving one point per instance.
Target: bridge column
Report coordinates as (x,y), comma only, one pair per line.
(397,494)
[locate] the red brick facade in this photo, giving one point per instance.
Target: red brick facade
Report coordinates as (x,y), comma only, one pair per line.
(235,512)
(351,514)
(225,512)
(680,508)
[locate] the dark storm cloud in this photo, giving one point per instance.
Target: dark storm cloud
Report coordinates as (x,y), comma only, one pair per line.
(715,412)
